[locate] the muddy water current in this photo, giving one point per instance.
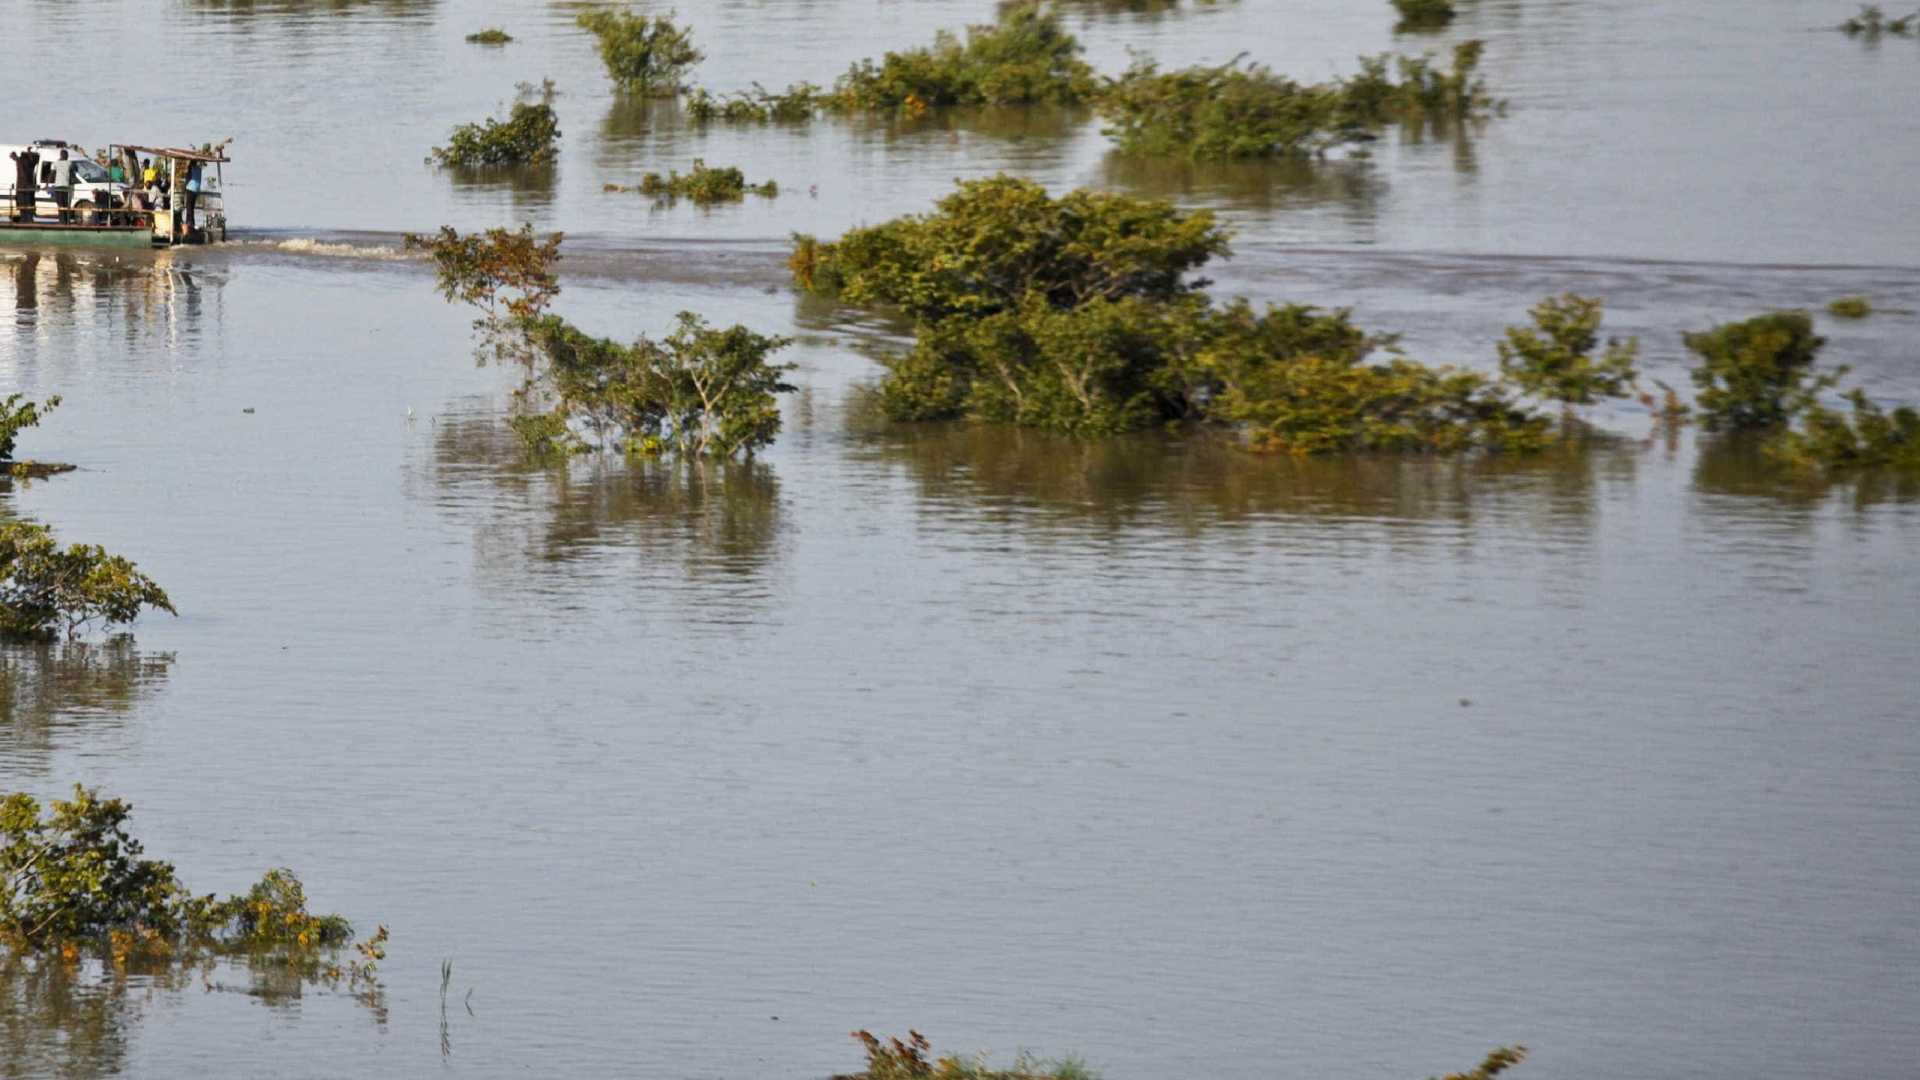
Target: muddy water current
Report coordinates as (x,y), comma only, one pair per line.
(1191,762)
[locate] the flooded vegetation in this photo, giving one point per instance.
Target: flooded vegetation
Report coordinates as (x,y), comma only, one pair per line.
(1223,511)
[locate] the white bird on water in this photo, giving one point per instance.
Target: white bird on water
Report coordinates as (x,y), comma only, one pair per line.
(409,414)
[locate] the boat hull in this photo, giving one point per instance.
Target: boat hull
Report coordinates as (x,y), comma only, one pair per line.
(40,234)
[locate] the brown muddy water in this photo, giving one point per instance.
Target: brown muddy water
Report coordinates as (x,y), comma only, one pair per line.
(1191,762)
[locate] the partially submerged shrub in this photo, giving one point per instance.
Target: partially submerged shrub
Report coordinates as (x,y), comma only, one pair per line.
(1026,56)
(1232,111)
(994,242)
(647,55)
(508,274)
(1850,307)
(75,880)
(1554,358)
(703,185)
(1078,315)
(700,392)
(1869,437)
(758,105)
(1423,14)
(1499,1061)
(492,35)
(1759,372)
(46,590)
(526,137)
(1872,22)
(908,1059)
(16,415)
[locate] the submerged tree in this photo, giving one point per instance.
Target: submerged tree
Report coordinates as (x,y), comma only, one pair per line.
(46,590)
(1758,373)
(526,137)
(1423,14)
(75,880)
(700,392)
(1026,56)
(1554,358)
(508,274)
(647,55)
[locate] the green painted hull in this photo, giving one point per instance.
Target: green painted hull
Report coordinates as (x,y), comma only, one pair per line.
(22,235)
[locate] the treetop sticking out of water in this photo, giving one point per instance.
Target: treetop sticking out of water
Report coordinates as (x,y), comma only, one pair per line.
(526,137)
(1423,14)
(1023,57)
(74,881)
(704,186)
(1873,22)
(492,35)
(46,590)
(647,55)
(1231,111)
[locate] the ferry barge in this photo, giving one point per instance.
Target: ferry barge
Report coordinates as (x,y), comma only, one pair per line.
(181,204)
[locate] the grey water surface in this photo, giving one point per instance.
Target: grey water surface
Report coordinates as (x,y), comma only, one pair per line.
(1191,762)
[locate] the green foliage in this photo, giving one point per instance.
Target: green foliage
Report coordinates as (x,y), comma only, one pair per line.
(1078,315)
(1423,14)
(526,137)
(1758,373)
(704,186)
(997,241)
(1832,440)
(1554,358)
(1499,1061)
(1873,22)
(646,55)
(1296,381)
(1232,111)
(1850,307)
(758,105)
(45,589)
(508,275)
(1026,56)
(16,415)
(75,879)
(492,35)
(897,1059)
(700,392)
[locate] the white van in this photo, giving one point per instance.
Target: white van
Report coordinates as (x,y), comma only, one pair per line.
(91,188)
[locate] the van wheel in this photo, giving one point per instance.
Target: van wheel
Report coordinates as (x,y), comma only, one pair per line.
(83,212)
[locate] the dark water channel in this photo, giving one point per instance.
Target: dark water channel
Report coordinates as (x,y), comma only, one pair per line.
(1194,763)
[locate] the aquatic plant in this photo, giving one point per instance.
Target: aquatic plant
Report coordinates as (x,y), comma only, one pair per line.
(994,242)
(46,590)
(700,392)
(492,35)
(908,1059)
(1759,372)
(759,105)
(508,274)
(527,137)
(1423,14)
(1554,358)
(74,880)
(1869,437)
(1873,22)
(1495,1063)
(16,415)
(1025,56)
(1079,315)
(1850,307)
(643,54)
(704,186)
(1231,111)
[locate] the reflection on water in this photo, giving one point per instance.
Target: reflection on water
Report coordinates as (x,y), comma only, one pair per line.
(1027,479)
(130,295)
(710,527)
(1353,186)
(1738,466)
(79,1018)
(48,689)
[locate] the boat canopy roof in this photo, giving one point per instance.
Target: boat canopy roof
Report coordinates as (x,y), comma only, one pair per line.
(176,152)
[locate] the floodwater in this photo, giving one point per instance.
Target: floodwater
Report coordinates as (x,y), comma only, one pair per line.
(1187,761)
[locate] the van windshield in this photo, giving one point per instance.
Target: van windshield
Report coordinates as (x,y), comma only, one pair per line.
(89,172)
